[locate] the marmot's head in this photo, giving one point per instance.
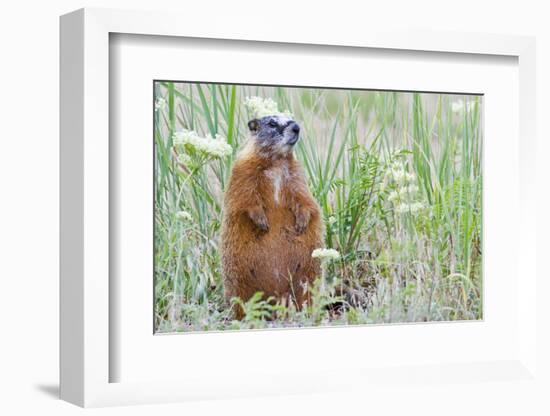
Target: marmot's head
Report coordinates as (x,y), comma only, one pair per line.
(275,135)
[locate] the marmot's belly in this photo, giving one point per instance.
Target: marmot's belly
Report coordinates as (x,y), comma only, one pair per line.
(277,262)
(280,262)
(280,252)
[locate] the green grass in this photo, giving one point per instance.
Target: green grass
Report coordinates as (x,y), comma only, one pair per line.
(397,175)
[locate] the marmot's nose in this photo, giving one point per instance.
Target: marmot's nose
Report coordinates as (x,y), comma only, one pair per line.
(296,128)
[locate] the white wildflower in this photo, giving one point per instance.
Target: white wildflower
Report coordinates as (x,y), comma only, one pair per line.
(325,254)
(402,193)
(410,208)
(393,196)
(184,216)
(331,220)
(215,147)
(411,189)
(400,176)
(160,104)
(404,189)
(184,159)
(260,107)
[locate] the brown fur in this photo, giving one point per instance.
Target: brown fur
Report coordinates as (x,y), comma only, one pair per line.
(267,239)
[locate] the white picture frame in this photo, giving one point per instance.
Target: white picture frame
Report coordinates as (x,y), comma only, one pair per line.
(85,265)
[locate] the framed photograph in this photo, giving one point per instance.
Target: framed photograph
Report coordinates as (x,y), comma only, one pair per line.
(336,215)
(348,207)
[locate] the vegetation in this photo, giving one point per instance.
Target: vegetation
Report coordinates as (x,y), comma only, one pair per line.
(397,175)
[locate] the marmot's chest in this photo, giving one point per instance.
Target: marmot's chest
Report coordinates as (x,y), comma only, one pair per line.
(276,180)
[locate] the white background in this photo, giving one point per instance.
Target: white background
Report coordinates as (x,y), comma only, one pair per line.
(29,204)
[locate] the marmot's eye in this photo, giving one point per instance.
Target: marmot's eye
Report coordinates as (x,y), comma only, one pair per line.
(272,123)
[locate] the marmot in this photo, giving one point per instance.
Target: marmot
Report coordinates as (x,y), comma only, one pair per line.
(271,222)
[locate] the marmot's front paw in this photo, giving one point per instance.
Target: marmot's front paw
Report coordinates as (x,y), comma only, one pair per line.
(302,221)
(260,220)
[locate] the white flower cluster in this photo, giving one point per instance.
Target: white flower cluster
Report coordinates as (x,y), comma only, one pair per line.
(410,208)
(215,147)
(260,107)
(398,174)
(402,193)
(404,190)
(325,254)
(183,216)
(160,104)
(184,159)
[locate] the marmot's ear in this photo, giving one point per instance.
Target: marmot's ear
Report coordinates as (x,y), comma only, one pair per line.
(254,125)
